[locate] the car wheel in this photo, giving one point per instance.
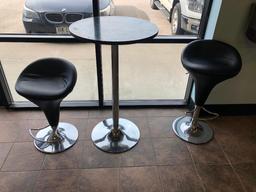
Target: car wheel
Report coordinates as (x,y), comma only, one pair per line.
(152,4)
(176,20)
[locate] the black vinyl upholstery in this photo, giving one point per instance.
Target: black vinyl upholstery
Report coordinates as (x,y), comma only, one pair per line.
(46,82)
(210,62)
(47,79)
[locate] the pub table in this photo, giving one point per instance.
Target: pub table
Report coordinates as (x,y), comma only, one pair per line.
(114,135)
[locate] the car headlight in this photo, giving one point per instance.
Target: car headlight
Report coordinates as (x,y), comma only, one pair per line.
(30,14)
(106,11)
(196,5)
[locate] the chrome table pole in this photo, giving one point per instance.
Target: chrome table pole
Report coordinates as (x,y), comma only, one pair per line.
(115,89)
(115,135)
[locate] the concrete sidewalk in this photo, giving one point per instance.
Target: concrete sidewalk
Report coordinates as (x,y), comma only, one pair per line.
(147,71)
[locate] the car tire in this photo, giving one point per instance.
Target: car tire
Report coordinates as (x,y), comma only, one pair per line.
(176,20)
(152,4)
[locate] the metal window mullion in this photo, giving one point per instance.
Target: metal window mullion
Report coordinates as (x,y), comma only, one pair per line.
(98,53)
(5,93)
(204,18)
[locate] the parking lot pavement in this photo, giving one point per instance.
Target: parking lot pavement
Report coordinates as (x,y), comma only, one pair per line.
(11,14)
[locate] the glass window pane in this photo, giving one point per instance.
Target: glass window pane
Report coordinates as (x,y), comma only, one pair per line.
(147,71)
(16,56)
(54,17)
(171,17)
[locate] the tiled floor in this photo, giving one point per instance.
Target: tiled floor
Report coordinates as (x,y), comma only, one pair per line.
(160,162)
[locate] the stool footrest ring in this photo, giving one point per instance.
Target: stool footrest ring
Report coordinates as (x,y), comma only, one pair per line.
(36,129)
(67,132)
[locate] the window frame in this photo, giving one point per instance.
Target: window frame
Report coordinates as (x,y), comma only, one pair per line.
(6,99)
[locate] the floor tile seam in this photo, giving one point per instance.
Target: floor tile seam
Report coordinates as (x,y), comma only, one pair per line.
(31,141)
(164,137)
(245,163)
(153,147)
(119,180)
(161,116)
(107,167)
(78,180)
(175,164)
(224,152)
(196,170)
(20,170)
(91,168)
(41,170)
(21,130)
(228,163)
(68,169)
(131,116)
(43,162)
(29,171)
(84,139)
(212,164)
(98,117)
(239,178)
(78,183)
(36,179)
(160,179)
(12,120)
(18,142)
(72,117)
(145,165)
(122,116)
(5,142)
(95,168)
(156,168)
(6,157)
(30,118)
(142,137)
(24,141)
(232,167)
(166,165)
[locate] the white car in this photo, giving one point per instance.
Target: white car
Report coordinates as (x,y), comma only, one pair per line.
(184,15)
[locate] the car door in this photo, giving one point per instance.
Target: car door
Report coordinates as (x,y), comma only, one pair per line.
(167,4)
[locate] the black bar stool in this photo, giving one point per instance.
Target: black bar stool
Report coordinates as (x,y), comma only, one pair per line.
(209,62)
(46,82)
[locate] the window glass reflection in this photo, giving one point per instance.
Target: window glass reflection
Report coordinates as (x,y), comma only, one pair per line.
(54,16)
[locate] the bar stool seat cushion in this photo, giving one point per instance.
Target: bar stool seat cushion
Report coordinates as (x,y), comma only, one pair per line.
(47,79)
(211,57)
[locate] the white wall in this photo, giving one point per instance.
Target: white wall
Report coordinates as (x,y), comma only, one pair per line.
(231,27)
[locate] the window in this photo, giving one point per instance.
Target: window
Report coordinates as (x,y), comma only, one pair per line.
(36,30)
(54,17)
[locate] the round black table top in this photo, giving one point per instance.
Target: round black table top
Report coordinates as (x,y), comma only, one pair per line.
(113,29)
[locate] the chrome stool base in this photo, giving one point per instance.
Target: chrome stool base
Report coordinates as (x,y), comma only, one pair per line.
(182,128)
(129,136)
(68,133)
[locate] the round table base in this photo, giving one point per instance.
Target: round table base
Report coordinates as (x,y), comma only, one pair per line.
(69,135)
(181,127)
(101,136)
